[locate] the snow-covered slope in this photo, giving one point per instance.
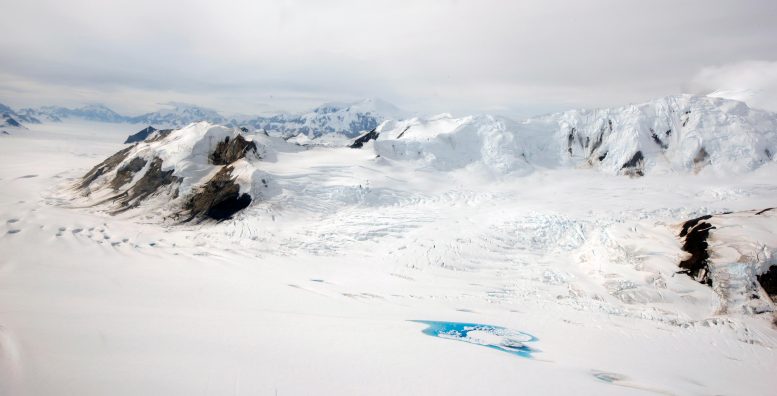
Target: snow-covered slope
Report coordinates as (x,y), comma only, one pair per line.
(10,120)
(47,114)
(349,263)
(199,171)
(94,112)
(446,143)
(178,115)
(736,255)
(7,121)
(349,119)
(12,117)
(684,133)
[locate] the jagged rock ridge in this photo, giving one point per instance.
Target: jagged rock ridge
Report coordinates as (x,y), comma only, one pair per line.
(198,172)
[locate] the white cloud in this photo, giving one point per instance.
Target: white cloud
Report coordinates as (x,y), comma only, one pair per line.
(457,55)
(753,82)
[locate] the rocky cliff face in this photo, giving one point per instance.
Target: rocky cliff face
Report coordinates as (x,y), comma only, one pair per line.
(198,172)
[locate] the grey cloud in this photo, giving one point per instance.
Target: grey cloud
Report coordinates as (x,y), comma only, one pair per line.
(461,56)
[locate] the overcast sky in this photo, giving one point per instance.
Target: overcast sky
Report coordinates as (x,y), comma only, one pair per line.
(507,57)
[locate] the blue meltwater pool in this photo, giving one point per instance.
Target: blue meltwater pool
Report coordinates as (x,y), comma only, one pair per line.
(495,337)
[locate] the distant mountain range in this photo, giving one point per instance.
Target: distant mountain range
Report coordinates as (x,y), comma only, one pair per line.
(349,119)
(9,120)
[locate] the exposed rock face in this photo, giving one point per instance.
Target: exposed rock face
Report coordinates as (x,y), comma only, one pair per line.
(696,232)
(218,199)
(700,160)
(768,281)
(364,138)
(196,172)
(126,172)
(149,184)
(104,167)
(634,166)
(160,134)
(231,150)
(140,135)
(735,253)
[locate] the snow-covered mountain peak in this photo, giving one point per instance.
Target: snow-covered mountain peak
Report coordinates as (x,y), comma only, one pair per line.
(369,105)
(199,171)
(178,114)
(97,112)
(680,133)
(92,112)
(187,108)
(349,119)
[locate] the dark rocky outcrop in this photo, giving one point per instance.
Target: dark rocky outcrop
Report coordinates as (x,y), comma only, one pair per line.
(658,140)
(159,135)
(700,160)
(685,118)
(633,167)
(104,167)
(570,140)
(597,142)
(219,199)
(365,137)
(125,173)
(696,232)
(126,180)
(768,282)
(140,135)
(151,182)
(701,156)
(231,150)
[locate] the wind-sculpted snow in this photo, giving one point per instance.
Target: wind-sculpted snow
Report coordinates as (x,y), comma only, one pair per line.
(685,134)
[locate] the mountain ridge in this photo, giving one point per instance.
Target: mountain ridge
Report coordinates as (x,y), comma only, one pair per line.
(347,118)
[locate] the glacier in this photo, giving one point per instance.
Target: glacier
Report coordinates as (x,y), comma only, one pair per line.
(518,235)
